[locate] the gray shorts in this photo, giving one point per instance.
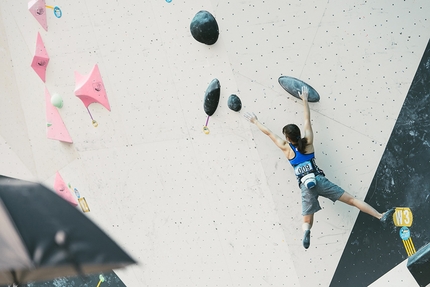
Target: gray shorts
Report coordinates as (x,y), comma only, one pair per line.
(325,188)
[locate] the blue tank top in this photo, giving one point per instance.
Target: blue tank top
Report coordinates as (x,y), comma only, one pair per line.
(304,164)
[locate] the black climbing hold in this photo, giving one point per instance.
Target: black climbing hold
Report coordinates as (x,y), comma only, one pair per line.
(212,97)
(419,264)
(234,103)
(204,28)
(294,86)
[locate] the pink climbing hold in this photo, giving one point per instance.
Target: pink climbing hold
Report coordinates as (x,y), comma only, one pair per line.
(90,88)
(40,58)
(38,9)
(55,126)
(62,190)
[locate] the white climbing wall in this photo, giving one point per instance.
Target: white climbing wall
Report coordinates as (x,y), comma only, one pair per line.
(221,209)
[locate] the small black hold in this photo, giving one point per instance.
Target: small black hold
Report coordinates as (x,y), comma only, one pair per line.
(234,103)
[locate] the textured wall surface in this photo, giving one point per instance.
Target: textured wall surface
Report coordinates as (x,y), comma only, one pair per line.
(401,179)
(221,209)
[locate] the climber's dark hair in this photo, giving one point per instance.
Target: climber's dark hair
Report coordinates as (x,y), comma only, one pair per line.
(292,131)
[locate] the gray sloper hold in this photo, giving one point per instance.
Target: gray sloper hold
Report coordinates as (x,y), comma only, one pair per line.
(211,99)
(234,103)
(204,28)
(293,86)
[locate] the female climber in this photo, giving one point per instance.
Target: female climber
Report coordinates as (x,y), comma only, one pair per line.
(312,181)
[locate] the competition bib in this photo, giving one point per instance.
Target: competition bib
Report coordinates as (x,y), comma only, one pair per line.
(303,168)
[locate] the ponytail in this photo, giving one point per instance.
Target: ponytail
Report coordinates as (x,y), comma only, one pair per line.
(301,145)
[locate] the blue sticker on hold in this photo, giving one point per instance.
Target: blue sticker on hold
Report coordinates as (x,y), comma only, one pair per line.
(405,233)
(57,12)
(168,1)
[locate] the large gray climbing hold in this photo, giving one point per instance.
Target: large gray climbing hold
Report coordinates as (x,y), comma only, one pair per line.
(234,103)
(204,28)
(294,86)
(211,99)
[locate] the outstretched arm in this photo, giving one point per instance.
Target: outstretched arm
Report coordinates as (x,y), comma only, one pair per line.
(309,135)
(276,139)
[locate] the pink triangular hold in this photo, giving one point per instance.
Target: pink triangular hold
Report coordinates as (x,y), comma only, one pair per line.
(40,59)
(56,129)
(62,190)
(90,88)
(38,9)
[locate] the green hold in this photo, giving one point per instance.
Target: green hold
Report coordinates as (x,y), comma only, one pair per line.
(57,101)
